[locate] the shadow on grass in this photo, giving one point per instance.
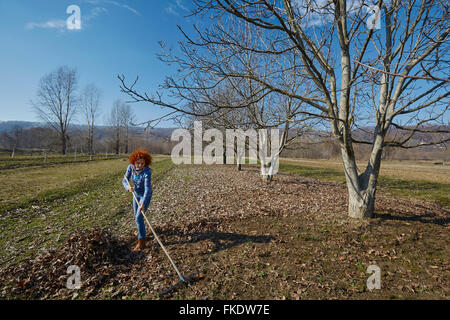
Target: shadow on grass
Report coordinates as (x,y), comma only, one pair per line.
(433,218)
(221,240)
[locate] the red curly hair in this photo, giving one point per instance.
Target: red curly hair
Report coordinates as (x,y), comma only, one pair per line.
(140,154)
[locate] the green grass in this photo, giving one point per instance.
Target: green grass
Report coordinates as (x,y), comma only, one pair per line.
(432,191)
(33,185)
(313,172)
(46,219)
(25,161)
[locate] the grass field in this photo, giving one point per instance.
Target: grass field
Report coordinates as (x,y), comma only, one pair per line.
(415,179)
(41,206)
(403,170)
(23,161)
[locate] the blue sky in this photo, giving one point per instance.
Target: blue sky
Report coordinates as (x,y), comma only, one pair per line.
(116,37)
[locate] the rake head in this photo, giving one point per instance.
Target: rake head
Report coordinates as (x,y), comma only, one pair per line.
(183,281)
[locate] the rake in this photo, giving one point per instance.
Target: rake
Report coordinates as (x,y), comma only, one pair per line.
(183,280)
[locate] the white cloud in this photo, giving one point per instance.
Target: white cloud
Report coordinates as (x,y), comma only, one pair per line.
(131,9)
(173,8)
(95,13)
(321,12)
(51,24)
(115,3)
(181,6)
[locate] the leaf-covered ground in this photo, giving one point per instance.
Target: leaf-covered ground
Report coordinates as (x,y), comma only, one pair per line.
(290,239)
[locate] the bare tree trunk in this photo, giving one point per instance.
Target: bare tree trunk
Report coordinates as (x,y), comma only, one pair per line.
(126,138)
(268,170)
(267,177)
(64,144)
(91,141)
(90,100)
(118,140)
(238,160)
(362,187)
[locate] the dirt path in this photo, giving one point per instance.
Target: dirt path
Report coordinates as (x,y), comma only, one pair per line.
(290,239)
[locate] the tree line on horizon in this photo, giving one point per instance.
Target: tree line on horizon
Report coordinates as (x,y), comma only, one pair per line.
(58,101)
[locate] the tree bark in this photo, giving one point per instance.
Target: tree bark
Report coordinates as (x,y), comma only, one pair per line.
(362,187)
(63,144)
(117,140)
(361,202)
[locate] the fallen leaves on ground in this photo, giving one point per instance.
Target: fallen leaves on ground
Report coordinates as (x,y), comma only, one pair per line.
(290,239)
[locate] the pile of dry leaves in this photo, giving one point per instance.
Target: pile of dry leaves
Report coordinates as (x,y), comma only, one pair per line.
(96,252)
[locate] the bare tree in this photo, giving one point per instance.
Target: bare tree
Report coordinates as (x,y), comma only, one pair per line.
(56,102)
(9,142)
(115,124)
(126,118)
(120,120)
(358,76)
(235,102)
(90,102)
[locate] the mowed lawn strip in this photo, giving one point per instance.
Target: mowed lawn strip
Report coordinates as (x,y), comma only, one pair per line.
(433,171)
(28,161)
(31,186)
(422,189)
(99,202)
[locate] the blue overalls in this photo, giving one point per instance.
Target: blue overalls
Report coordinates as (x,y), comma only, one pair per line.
(143,191)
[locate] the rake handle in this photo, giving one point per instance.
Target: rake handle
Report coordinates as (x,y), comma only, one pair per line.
(156,236)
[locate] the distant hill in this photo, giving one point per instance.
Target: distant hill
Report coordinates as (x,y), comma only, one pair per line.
(9,126)
(366,134)
(165,133)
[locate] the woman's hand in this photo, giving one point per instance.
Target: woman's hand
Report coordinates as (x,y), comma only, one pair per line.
(131,189)
(141,209)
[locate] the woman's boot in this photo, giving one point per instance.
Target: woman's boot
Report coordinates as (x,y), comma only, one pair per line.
(140,245)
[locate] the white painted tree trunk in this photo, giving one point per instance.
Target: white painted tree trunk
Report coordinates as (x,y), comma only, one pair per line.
(239,159)
(361,202)
(268,167)
(362,187)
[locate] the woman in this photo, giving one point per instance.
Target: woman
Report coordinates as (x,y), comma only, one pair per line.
(141,175)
